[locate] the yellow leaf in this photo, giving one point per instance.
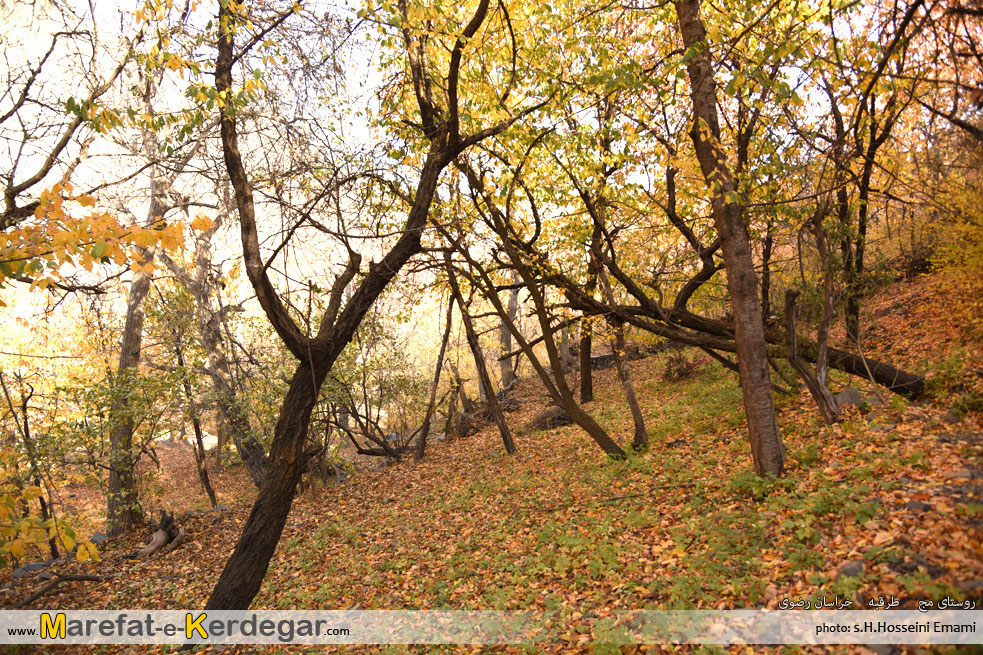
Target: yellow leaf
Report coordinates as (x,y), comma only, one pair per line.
(16,548)
(202,223)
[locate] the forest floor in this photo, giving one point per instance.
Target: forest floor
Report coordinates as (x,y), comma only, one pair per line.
(894,493)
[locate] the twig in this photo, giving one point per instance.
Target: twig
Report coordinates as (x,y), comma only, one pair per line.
(68,577)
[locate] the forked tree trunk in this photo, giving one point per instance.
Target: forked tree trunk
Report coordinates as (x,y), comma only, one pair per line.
(244,571)
(728,216)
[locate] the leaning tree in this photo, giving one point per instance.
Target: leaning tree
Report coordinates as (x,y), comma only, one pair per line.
(434,71)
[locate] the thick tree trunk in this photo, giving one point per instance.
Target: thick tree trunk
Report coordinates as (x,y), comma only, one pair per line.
(123,502)
(245,569)
(742,283)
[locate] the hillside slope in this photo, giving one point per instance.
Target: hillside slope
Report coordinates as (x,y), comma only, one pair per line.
(894,492)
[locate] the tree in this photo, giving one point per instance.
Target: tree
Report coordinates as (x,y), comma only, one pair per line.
(440,123)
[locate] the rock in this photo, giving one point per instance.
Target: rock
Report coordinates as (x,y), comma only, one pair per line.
(962,437)
(847,397)
(28,569)
(45,575)
(601,362)
(851,569)
(886,427)
(971,585)
(98,537)
(916,506)
(882,649)
(771,592)
(550,418)
(915,562)
(675,442)
(963,474)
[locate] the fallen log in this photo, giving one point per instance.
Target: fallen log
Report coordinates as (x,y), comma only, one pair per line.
(685,327)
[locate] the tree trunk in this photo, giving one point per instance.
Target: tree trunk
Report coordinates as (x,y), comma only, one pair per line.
(766,272)
(505,339)
(246,567)
(479,361)
(233,417)
(199,447)
(641,438)
(421,445)
(123,502)
(820,393)
(586,329)
(742,283)
(244,571)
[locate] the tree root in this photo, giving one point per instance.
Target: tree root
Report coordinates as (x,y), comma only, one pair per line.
(165,539)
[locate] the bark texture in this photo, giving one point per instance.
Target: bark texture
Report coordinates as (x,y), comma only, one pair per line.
(728,217)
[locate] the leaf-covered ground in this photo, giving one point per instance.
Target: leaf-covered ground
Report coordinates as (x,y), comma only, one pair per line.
(895,490)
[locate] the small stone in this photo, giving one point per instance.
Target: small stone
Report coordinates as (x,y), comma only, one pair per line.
(45,575)
(886,427)
(963,474)
(916,506)
(851,569)
(882,649)
(98,537)
(771,592)
(847,397)
(675,442)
